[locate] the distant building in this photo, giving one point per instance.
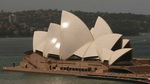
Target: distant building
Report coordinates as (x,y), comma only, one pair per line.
(23,25)
(2,11)
(13,18)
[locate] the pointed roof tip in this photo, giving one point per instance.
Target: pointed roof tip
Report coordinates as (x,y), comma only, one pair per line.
(125,42)
(92,29)
(128,49)
(114,35)
(71,28)
(100,28)
(53,25)
(71,15)
(101,21)
(100,18)
(63,11)
(117,54)
(106,41)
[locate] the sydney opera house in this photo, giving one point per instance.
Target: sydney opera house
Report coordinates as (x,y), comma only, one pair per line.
(72,49)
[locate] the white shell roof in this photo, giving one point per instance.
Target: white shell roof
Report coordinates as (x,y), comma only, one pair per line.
(81,51)
(56,48)
(125,42)
(106,41)
(39,40)
(74,34)
(106,54)
(91,51)
(88,50)
(117,54)
(101,28)
(52,39)
(74,37)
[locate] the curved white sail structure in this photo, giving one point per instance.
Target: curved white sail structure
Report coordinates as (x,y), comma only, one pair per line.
(55,50)
(52,38)
(88,50)
(125,42)
(101,28)
(106,41)
(91,51)
(117,54)
(81,52)
(106,54)
(39,40)
(74,37)
(74,34)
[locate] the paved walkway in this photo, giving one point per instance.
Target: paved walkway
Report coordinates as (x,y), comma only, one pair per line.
(144,78)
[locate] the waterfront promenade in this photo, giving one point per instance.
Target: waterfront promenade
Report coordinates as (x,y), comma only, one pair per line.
(140,78)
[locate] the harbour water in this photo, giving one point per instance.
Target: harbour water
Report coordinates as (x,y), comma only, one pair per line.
(11,51)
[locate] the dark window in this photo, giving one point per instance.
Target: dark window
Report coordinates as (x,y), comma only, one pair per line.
(61,68)
(26,66)
(86,70)
(54,67)
(74,57)
(95,69)
(53,56)
(89,69)
(82,69)
(76,69)
(39,53)
(14,64)
(50,67)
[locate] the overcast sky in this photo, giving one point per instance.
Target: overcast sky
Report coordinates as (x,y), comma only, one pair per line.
(117,6)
